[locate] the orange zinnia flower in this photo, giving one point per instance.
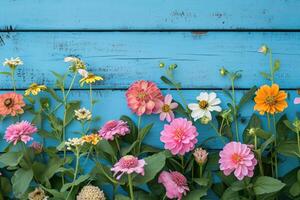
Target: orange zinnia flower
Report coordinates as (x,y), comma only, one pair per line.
(11,104)
(270,99)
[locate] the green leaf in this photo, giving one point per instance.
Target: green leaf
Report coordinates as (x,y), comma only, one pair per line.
(276,66)
(295,189)
(247,96)
(290,125)
(265,184)
(121,197)
(289,148)
(144,131)
(153,165)
(201,181)
(5,186)
(266,75)
(21,180)
(126,150)
(56,194)
(237,186)
(105,146)
(167,81)
(132,136)
(11,159)
(264,145)
(195,194)
(79,180)
(230,194)
(6,73)
(254,122)
(71,107)
(53,94)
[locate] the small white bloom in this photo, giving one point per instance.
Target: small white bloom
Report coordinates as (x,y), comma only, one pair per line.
(83,73)
(207,103)
(83,114)
(263,49)
(74,142)
(12,62)
(71,59)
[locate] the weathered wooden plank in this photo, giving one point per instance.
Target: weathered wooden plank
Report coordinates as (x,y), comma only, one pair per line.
(154,14)
(124,57)
(112,105)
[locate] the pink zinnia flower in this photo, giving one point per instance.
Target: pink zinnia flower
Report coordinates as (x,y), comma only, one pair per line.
(165,108)
(297,100)
(239,158)
(175,184)
(20,131)
(11,104)
(114,128)
(142,97)
(180,136)
(38,147)
(129,164)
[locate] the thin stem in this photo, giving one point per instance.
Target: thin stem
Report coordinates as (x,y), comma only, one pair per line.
(218,133)
(275,146)
(182,163)
(118,145)
(75,173)
(271,67)
(235,111)
(201,171)
(255,142)
(91,106)
(130,187)
(71,84)
(298,141)
(139,122)
(13,78)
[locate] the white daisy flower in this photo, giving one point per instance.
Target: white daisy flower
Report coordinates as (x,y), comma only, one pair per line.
(13,62)
(72,59)
(207,103)
(83,114)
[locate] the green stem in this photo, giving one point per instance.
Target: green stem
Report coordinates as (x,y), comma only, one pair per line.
(91,107)
(271,67)
(218,133)
(235,111)
(118,145)
(13,78)
(182,163)
(130,187)
(139,123)
(201,171)
(298,141)
(71,84)
(275,146)
(261,169)
(75,173)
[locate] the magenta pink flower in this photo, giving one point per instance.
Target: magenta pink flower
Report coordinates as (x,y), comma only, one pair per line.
(180,136)
(165,108)
(297,100)
(142,97)
(20,131)
(175,184)
(114,128)
(129,164)
(239,158)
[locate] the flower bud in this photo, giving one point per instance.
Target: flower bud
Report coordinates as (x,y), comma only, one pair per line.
(296,124)
(161,65)
(263,49)
(200,156)
(172,67)
(223,71)
(204,120)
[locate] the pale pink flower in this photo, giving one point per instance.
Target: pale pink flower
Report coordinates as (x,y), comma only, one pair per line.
(239,158)
(200,156)
(129,164)
(175,184)
(180,136)
(142,97)
(38,147)
(20,131)
(165,108)
(114,128)
(297,100)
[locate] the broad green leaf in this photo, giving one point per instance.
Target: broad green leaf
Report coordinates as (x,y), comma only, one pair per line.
(289,148)
(154,164)
(105,146)
(71,107)
(290,125)
(54,95)
(230,194)
(144,131)
(266,75)
(195,194)
(6,73)
(295,189)
(247,96)
(237,186)
(11,159)
(56,194)
(265,184)
(21,180)
(167,81)
(132,136)
(127,149)
(121,197)
(5,186)
(264,145)
(201,181)
(79,180)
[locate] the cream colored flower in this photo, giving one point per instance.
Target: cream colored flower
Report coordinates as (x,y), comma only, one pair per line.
(13,62)
(76,63)
(263,49)
(90,192)
(200,156)
(34,89)
(207,103)
(74,142)
(37,194)
(83,72)
(83,114)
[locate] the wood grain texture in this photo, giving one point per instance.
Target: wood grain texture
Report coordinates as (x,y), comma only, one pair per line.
(149,14)
(122,58)
(112,104)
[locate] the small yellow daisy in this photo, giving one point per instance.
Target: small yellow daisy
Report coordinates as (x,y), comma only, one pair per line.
(34,89)
(90,78)
(92,139)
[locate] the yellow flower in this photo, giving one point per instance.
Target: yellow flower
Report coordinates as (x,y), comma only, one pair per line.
(34,89)
(90,78)
(92,138)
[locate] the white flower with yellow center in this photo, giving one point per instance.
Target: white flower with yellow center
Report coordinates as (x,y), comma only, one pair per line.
(13,62)
(83,114)
(207,103)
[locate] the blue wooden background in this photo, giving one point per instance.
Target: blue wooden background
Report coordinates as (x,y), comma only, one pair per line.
(124,41)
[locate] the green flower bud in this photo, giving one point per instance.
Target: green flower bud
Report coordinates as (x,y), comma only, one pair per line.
(161,65)
(223,71)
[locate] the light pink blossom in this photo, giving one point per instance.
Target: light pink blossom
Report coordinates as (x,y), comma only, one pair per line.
(180,136)
(297,100)
(175,184)
(129,164)
(20,131)
(142,97)
(239,158)
(165,108)
(113,128)
(38,147)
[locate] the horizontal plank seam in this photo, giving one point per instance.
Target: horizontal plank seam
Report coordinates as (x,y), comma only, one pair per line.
(148,30)
(122,89)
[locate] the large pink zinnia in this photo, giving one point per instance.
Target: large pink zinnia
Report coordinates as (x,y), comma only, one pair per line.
(20,131)
(143,96)
(113,128)
(129,164)
(175,184)
(11,104)
(239,158)
(180,136)
(165,108)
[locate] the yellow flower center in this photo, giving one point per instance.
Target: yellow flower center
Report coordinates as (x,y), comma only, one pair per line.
(203,104)
(166,108)
(270,100)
